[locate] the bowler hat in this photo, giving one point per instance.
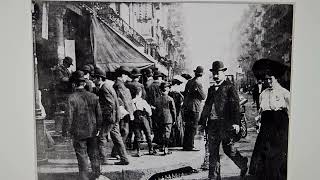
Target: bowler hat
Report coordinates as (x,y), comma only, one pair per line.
(86,69)
(267,67)
(99,73)
(68,60)
(135,72)
(123,70)
(78,76)
(199,70)
(218,66)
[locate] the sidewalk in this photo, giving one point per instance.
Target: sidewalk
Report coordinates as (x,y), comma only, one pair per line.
(62,163)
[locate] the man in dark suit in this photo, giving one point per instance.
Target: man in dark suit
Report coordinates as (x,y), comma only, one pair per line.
(154,92)
(256,91)
(110,118)
(221,117)
(194,94)
(84,124)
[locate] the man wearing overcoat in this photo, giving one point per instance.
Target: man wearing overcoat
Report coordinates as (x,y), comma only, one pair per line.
(194,94)
(110,118)
(221,116)
(85,120)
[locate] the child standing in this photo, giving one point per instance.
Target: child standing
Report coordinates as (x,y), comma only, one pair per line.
(142,111)
(166,110)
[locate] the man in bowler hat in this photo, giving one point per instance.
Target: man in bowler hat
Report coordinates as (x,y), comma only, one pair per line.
(194,94)
(221,117)
(84,124)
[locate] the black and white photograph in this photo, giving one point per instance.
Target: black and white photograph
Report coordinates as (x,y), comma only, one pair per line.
(162,90)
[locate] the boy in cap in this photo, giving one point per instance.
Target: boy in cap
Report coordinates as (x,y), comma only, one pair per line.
(142,111)
(166,115)
(84,124)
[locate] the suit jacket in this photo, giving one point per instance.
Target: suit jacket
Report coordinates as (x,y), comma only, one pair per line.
(153,92)
(134,84)
(124,94)
(255,91)
(226,105)
(194,94)
(165,109)
(148,83)
(109,104)
(85,116)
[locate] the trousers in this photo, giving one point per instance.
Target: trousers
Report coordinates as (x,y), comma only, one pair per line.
(191,119)
(216,136)
(84,148)
(144,126)
(118,144)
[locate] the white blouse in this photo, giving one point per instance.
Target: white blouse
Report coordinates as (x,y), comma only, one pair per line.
(276,98)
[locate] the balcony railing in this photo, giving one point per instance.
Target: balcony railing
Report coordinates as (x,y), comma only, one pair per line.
(116,22)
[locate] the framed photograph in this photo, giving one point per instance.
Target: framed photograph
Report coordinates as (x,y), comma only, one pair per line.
(162,90)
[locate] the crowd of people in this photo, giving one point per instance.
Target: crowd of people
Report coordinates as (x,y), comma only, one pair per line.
(122,107)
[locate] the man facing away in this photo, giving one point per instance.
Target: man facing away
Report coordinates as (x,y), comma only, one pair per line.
(221,116)
(154,92)
(194,94)
(84,124)
(110,118)
(125,100)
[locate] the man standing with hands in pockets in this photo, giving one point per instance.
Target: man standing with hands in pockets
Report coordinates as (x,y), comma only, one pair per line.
(221,117)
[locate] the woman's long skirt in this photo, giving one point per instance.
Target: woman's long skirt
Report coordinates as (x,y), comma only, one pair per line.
(269,158)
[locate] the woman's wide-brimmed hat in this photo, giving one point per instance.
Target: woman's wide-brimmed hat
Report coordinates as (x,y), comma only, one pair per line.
(218,66)
(263,67)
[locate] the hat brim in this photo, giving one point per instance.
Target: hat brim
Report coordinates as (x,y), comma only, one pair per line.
(136,75)
(216,70)
(264,67)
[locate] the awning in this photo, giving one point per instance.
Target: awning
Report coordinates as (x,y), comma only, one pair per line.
(111,50)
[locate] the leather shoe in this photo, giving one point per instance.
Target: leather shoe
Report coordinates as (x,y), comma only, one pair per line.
(121,163)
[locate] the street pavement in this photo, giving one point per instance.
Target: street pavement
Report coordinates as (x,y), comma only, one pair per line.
(62,163)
